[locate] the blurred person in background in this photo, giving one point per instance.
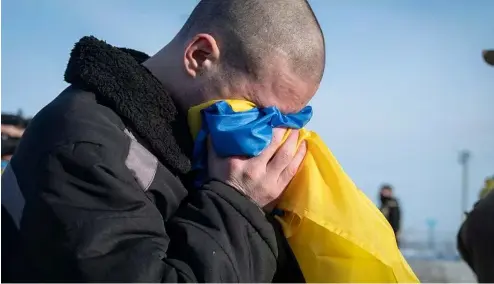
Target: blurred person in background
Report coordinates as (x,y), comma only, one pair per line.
(475,239)
(13,127)
(390,208)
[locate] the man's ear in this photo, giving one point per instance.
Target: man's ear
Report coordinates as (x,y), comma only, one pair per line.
(200,54)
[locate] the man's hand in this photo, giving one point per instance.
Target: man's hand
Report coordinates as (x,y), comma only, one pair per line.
(265,177)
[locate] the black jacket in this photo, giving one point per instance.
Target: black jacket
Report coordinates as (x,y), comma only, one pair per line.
(391,210)
(476,239)
(99,189)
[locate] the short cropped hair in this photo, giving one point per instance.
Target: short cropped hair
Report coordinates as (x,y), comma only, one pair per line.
(250,32)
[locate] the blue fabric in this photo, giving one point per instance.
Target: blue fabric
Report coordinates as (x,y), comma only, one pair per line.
(245,133)
(4,164)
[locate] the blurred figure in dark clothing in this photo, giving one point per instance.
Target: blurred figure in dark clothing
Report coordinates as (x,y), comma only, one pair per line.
(474,239)
(12,129)
(390,208)
(14,124)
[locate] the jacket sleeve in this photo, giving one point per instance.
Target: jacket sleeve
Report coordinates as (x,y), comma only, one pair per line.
(475,239)
(395,218)
(97,225)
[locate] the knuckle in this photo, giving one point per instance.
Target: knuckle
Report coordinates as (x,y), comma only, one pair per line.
(274,194)
(278,134)
(234,165)
(251,173)
(291,171)
(290,146)
(287,151)
(284,155)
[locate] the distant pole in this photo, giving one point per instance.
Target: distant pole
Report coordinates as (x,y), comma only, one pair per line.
(464,160)
(431,224)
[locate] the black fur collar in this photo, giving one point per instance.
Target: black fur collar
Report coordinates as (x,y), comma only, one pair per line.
(119,81)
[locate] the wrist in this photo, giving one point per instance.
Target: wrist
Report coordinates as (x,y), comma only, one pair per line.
(240,191)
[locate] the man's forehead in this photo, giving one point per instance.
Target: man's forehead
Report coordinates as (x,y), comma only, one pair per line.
(285,89)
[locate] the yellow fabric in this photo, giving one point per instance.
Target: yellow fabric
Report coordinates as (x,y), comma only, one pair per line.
(488,187)
(336,233)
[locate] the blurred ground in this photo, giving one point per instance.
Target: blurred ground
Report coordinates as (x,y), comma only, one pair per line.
(441,271)
(434,257)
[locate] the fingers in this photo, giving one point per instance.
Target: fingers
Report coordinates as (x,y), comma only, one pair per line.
(292,168)
(267,154)
(221,165)
(284,155)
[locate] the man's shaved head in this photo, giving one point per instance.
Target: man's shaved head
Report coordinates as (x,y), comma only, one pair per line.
(270,52)
(250,32)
